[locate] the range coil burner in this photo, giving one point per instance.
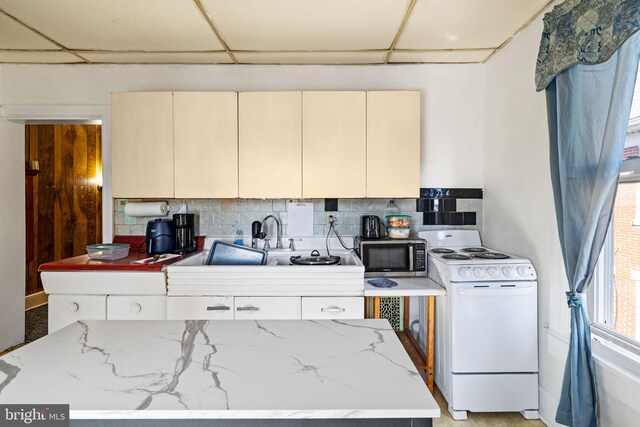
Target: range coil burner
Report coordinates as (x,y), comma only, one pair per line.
(456,256)
(473,250)
(442,251)
(491,255)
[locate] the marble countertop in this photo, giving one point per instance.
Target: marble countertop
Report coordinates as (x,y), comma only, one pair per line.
(271,369)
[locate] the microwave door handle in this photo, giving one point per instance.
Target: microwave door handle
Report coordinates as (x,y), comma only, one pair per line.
(410,257)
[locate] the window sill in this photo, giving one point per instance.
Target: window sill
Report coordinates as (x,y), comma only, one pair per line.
(606,353)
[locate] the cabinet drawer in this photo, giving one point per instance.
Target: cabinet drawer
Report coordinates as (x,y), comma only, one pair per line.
(66,309)
(199,308)
(333,308)
(267,308)
(136,307)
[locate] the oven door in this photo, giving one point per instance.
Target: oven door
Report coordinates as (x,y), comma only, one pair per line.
(494,327)
(387,258)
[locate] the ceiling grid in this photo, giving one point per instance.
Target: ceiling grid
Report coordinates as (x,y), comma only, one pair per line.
(335,32)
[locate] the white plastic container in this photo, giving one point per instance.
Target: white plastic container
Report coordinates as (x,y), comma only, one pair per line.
(108,251)
(399,232)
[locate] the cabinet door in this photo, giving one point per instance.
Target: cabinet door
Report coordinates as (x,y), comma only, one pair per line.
(270,144)
(205,144)
(267,308)
(66,309)
(334,144)
(200,308)
(393,144)
(142,144)
(332,307)
(136,307)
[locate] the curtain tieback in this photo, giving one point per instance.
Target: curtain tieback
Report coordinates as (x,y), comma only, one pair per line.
(576,299)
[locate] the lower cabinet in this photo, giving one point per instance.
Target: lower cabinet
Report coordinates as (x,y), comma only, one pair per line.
(267,308)
(66,309)
(200,308)
(332,308)
(134,307)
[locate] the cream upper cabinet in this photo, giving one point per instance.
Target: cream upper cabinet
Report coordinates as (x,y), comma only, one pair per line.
(205,144)
(334,144)
(270,156)
(142,144)
(393,144)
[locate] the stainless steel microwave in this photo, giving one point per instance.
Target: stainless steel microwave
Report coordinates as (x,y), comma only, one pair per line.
(389,257)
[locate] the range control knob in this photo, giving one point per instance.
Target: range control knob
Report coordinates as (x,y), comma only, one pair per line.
(479,272)
(507,271)
(522,270)
(463,272)
(493,272)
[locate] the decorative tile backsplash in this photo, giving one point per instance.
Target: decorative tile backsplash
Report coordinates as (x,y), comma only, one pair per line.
(220,217)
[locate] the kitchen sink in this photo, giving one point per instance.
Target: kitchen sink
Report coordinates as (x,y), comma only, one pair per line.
(192,276)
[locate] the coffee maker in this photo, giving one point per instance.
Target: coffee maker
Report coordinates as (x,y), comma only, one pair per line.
(184,232)
(160,236)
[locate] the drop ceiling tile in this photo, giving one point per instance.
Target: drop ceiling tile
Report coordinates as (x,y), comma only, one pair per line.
(38,57)
(448,24)
(307,24)
(158,58)
(162,25)
(14,35)
(310,57)
(453,56)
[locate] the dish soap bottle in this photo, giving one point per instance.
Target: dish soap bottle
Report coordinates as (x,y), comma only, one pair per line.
(239,237)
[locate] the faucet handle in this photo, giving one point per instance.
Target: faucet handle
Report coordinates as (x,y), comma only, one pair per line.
(292,245)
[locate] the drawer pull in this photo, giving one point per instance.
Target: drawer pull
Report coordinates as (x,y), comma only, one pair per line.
(248,308)
(136,308)
(218,308)
(333,309)
(74,306)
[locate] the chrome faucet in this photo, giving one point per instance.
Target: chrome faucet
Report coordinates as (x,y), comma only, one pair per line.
(278,236)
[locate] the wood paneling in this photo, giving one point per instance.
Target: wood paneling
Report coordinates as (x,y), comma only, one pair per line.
(67,204)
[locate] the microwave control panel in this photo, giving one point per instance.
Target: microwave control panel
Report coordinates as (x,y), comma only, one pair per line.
(420,255)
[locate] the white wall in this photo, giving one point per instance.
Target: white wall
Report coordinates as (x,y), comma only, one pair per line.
(451,97)
(519,217)
(12,234)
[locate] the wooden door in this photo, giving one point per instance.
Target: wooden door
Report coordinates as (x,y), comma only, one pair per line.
(142,144)
(334,144)
(393,144)
(205,144)
(66,199)
(270,147)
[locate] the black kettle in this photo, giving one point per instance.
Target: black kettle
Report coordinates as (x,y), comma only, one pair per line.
(370,227)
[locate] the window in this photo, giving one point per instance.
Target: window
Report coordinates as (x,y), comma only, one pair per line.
(616,294)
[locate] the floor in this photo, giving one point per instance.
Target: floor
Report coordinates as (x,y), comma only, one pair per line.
(35,323)
(488,419)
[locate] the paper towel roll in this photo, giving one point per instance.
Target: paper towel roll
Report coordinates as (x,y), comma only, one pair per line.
(147,209)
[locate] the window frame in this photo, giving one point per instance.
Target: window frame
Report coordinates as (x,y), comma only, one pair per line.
(601,310)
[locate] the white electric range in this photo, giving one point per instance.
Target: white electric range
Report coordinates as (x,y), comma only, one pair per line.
(486,326)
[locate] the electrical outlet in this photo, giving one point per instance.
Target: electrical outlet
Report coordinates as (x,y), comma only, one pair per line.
(331,219)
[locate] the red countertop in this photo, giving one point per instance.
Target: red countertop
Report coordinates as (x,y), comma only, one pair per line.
(84,263)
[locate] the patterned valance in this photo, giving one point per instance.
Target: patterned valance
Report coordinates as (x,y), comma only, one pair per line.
(583,32)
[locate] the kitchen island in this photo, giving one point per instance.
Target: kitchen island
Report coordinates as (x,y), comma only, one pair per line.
(241,371)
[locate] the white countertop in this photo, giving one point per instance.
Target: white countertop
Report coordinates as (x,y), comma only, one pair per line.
(407,286)
(220,369)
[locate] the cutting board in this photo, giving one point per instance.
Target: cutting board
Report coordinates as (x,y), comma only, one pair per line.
(300,219)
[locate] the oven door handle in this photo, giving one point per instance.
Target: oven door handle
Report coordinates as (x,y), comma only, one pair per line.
(410,257)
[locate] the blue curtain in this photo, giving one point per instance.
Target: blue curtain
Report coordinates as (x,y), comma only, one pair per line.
(588,108)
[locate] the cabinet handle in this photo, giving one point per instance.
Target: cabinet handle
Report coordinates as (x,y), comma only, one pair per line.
(218,308)
(74,306)
(136,308)
(248,308)
(332,309)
